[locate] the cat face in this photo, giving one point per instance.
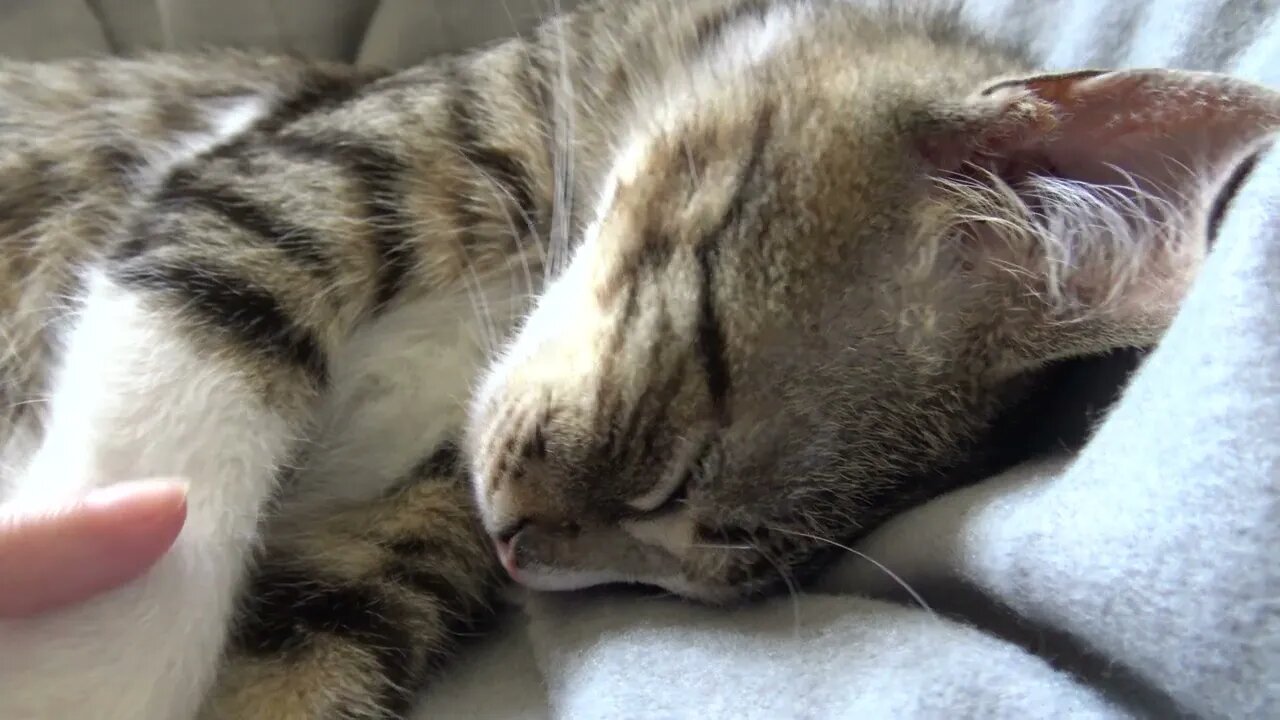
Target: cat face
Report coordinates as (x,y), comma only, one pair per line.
(800,295)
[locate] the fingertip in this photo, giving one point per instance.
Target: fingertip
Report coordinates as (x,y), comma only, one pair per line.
(157,492)
(111,536)
(145,517)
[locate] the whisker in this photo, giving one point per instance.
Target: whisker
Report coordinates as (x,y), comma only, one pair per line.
(479,304)
(894,576)
(792,591)
(566,108)
(499,192)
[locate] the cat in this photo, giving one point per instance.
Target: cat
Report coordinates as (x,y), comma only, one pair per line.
(666,293)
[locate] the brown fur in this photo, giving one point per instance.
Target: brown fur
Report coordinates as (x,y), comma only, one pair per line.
(806,299)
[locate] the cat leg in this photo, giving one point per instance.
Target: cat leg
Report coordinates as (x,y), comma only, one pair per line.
(349,611)
(155,383)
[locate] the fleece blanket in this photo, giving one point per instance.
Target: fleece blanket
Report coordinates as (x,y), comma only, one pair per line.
(1135,577)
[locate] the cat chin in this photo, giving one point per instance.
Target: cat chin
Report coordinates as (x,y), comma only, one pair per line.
(553,580)
(547,579)
(713,595)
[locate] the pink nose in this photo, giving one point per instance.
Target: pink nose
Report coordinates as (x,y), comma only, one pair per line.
(507,556)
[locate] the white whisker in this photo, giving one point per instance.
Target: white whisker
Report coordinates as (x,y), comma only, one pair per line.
(565,109)
(500,191)
(792,590)
(894,576)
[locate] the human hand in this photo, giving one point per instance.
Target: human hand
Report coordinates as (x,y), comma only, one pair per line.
(67,555)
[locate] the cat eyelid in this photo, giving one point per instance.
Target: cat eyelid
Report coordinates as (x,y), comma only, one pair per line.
(675,486)
(661,494)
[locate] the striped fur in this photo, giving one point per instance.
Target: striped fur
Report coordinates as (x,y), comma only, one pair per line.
(689,256)
(830,255)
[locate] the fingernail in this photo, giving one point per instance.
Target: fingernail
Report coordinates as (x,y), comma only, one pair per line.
(158,491)
(140,518)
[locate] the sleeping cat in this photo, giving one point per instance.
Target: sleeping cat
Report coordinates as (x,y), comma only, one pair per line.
(669,293)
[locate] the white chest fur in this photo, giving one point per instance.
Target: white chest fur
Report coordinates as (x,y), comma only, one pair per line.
(401,386)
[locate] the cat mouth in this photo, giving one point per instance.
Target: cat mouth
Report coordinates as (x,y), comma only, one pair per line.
(546,563)
(557,580)
(548,579)
(551,580)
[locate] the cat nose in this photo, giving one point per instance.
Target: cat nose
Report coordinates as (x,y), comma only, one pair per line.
(505,534)
(507,557)
(504,542)
(518,543)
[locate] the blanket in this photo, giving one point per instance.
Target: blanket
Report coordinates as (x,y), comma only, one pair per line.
(1133,577)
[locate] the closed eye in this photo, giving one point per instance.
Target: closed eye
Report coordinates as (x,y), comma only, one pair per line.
(665,496)
(670,495)
(679,494)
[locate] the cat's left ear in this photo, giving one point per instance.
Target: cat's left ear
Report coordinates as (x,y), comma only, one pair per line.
(1123,169)
(1160,127)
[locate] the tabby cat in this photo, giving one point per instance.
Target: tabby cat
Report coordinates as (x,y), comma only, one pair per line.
(666,293)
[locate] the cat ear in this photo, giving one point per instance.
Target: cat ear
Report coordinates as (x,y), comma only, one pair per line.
(1159,127)
(1096,188)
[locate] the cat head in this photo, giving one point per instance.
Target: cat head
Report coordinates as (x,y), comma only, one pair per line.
(806,285)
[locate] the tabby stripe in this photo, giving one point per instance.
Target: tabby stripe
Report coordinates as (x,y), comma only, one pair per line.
(655,253)
(318,91)
(445,461)
(144,233)
(607,398)
(450,608)
(710,334)
(657,420)
(630,307)
(380,175)
(235,305)
(466,217)
(651,250)
(285,607)
(402,676)
(41,192)
(604,405)
(501,465)
(456,617)
(121,157)
(710,28)
(509,463)
(413,576)
(415,547)
(185,188)
(619,433)
(537,83)
(536,446)
(760,138)
(710,339)
(500,167)
(645,419)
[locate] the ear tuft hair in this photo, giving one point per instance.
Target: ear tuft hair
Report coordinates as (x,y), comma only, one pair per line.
(1092,190)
